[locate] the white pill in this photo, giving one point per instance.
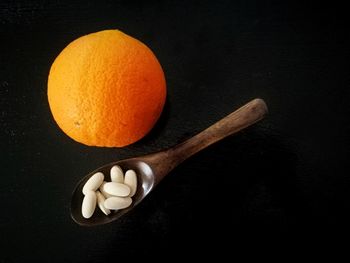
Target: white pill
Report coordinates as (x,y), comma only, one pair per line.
(89,204)
(131,181)
(100,202)
(116,203)
(116,189)
(117,174)
(105,194)
(93,183)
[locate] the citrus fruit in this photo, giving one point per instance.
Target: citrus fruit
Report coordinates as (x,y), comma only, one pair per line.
(106,89)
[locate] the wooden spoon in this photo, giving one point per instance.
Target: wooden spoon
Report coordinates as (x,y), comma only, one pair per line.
(152,168)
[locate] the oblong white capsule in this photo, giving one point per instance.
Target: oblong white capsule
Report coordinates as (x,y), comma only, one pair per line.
(93,183)
(100,202)
(116,203)
(116,189)
(89,204)
(131,181)
(117,174)
(105,194)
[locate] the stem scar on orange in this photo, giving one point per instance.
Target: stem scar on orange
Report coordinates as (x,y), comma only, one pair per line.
(106,89)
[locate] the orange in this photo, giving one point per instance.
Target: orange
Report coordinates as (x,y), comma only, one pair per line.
(106,89)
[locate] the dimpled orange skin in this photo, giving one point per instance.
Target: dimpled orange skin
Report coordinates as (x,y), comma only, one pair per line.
(106,89)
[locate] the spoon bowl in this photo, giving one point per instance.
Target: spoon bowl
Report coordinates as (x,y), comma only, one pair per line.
(152,168)
(145,183)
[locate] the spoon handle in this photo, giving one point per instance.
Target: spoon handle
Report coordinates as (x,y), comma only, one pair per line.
(243,117)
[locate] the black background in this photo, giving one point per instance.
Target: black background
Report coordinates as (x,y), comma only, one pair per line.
(279,184)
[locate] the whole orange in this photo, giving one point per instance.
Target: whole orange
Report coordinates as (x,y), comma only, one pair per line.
(106,89)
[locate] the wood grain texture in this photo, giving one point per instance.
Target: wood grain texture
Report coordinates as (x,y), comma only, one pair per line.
(165,161)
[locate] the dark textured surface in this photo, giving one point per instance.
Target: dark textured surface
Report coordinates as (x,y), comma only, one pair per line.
(284,179)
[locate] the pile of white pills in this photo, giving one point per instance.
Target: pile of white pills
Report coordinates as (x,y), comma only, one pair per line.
(113,195)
